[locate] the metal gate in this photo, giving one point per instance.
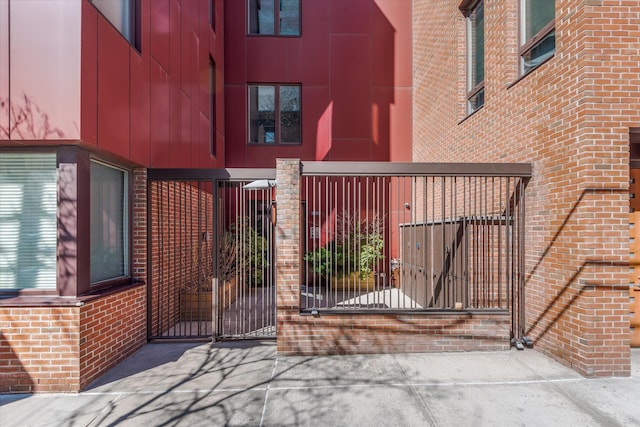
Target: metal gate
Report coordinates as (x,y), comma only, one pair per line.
(211,250)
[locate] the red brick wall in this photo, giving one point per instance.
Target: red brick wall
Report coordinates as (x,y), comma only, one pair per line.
(570,118)
(64,348)
(111,329)
(390,333)
(39,349)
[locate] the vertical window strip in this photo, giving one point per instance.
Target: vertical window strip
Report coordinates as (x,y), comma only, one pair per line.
(475,58)
(109,223)
(28,220)
(212,106)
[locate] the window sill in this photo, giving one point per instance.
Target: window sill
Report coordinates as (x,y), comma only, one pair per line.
(44,300)
(473,113)
(284,36)
(274,144)
(522,77)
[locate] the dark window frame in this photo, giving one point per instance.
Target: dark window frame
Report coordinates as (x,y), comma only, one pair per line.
(534,41)
(277,115)
(276,20)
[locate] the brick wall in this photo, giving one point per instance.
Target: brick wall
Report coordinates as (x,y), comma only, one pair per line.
(111,329)
(570,118)
(181,248)
(63,348)
(390,333)
(39,349)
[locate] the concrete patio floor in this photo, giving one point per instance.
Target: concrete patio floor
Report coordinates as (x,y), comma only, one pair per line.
(247,384)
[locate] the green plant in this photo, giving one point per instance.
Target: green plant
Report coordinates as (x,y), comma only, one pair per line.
(370,254)
(357,247)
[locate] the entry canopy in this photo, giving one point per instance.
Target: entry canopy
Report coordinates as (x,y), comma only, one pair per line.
(260,184)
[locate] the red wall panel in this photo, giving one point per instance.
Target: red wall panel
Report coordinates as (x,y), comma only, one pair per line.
(351,59)
(353,16)
(144,104)
(140,109)
(113,90)
(160,30)
(160,111)
(351,85)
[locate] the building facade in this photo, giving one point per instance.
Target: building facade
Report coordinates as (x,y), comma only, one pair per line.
(101,91)
(110,95)
(554,83)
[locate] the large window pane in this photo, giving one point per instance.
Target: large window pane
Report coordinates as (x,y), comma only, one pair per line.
(290,114)
(262,16)
(28,210)
(538,13)
(290,17)
(262,102)
(109,223)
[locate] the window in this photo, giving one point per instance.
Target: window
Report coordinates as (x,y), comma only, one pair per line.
(124,15)
(475,57)
(109,223)
(274,114)
(28,220)
(274,17)
(537,33)
(212,105)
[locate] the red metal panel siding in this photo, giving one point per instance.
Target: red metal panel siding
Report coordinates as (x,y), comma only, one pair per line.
(351,85)
(140,108)
(185,127)
(160,31)
(113,90)
(133,100)
(351,59)
(160,144)
(352,16)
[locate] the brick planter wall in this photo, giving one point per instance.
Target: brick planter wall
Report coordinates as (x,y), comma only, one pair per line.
(390,333)
(39,349)
(63,348)
(111,329)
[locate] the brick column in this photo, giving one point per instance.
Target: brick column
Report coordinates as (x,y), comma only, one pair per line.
(287,245)
(139,221)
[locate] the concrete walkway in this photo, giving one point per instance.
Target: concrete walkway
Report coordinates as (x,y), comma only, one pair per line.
(246,384)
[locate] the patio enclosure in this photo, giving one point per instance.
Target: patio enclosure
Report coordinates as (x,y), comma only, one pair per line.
(375,238)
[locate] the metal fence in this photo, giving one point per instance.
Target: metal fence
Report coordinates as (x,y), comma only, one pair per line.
(211,254)
(439,237)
